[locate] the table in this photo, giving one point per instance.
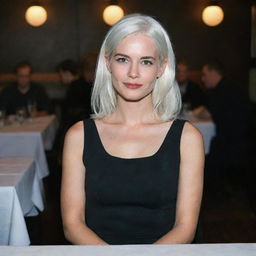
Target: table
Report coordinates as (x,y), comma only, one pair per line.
(135,250)
(30,139)
(207,129)
(21,194)
(205,126)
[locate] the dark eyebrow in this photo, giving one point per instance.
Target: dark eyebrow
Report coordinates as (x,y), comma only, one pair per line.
(147,57)
(142,58)
(120,54)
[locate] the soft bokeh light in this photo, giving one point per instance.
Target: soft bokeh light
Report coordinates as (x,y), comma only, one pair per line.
(212,15)
(112,14)
(36,15)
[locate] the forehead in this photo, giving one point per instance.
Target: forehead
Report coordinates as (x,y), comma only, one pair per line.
(25,69)
(182,67)
(138,43)
(205,69)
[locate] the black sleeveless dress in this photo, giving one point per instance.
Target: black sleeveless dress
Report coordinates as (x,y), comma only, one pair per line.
(131,201)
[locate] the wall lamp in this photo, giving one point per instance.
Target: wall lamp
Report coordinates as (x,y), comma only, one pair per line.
(112,13)
(213,14)
(36,15)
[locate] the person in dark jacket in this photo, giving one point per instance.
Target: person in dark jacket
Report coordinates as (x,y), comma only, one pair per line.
(23,92)
(191,93)
(228,106)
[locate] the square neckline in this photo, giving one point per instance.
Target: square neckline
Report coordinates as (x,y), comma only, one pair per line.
(134,158)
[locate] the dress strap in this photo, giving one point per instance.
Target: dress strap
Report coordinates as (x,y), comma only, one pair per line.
(90,138)
(174,135)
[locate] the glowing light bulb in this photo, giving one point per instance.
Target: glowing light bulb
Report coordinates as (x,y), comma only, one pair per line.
(112,14)
(36,15)
(212,15)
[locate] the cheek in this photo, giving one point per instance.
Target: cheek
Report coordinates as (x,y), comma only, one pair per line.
(150,75)
(118,71)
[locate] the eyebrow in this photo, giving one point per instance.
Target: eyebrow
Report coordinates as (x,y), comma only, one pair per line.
(142,58)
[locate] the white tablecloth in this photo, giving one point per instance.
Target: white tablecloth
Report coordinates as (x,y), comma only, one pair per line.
(207,129)
(21,194)
(135,250)
(30,139)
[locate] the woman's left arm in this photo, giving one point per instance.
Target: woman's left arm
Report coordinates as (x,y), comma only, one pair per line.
(190,188)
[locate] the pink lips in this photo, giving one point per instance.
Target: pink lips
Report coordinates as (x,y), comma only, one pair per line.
(132,86)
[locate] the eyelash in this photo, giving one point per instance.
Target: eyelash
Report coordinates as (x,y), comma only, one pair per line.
(147,62)
(122,60)
(125,60)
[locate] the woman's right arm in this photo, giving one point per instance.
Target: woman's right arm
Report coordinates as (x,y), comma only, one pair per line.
(73,190)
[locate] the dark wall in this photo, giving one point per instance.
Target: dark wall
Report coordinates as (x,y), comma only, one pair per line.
(75,27)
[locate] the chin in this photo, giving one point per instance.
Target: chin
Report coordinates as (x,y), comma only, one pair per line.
(135,98)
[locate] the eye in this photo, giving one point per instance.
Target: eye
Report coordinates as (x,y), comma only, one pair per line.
(147,62)
(122,59)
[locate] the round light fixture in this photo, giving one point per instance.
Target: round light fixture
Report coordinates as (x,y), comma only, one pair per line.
(213,15)
(112,14)
(36,15)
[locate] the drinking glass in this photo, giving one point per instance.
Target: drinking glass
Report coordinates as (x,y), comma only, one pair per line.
(31,109)
(20,115)
(2,117)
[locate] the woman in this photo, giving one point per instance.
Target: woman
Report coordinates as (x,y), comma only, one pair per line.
(134,173)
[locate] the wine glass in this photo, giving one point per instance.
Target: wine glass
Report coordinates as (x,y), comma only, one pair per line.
(31,106)
(20,115)
(2,117)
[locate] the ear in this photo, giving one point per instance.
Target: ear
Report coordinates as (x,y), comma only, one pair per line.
(107,62)
(162,67)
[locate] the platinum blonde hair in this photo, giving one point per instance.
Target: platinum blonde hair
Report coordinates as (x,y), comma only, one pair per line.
(165,96)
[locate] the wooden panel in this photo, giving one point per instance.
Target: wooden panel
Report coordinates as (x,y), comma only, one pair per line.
(54,77)
(35,77)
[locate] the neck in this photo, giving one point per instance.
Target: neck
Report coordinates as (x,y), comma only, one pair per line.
(134,113)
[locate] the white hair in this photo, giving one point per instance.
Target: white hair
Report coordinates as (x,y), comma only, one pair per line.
(166,94)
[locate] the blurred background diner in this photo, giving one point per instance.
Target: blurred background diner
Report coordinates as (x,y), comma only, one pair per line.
(46,75)
(191,93)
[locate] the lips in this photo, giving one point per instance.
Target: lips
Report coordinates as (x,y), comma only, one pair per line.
(132,85)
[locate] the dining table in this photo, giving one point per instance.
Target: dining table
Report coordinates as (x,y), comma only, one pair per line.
(208,131)
(21,194)
(29,139)
(206,126)
(232,249)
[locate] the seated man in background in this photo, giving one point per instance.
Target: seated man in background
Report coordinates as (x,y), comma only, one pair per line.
(192,95)
(77,105)
(228,107)
(23,92)
(68,71)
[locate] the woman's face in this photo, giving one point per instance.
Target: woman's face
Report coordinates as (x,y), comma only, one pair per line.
(134,67)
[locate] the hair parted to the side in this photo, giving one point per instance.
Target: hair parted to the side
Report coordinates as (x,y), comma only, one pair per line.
(166,95)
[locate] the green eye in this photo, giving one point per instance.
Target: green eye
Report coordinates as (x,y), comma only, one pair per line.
(122,59)
(147,62)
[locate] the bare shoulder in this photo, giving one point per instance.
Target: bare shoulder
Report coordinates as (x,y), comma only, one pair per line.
(191,135)
(75,132)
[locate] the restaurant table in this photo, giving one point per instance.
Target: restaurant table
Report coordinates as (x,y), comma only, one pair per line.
(207,129)
(20,195)
(29,139)
(205,126)
(135,250)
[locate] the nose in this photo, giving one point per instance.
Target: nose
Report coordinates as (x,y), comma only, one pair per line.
(133,71)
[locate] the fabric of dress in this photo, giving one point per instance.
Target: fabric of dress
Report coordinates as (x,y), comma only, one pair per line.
(131,201)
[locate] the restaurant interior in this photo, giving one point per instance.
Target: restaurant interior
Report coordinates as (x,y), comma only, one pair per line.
(69,30)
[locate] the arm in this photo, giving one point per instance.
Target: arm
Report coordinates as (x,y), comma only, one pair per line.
(42,101)
(190,188)
(73,190)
